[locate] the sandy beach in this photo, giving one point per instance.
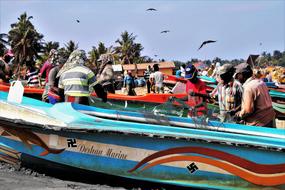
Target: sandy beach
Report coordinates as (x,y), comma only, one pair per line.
(12,178)
(41,178)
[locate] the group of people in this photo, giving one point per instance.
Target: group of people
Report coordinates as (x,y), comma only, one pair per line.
(241,96)
(66,79)
(154,79)
(72,81)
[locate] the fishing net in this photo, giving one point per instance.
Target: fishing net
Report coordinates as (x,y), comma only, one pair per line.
(168,108)
(158,113)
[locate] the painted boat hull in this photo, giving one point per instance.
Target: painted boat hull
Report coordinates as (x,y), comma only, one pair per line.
(117,155)
(229,157)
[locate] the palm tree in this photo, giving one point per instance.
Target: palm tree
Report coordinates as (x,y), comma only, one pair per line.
(128,50)
(25,40)
(48,46)
(70,47)
(94,55)
(3,43)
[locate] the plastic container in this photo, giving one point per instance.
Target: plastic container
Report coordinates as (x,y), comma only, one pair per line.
(16,92)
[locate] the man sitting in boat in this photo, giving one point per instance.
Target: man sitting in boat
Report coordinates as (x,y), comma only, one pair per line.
(76,80)
(256,107)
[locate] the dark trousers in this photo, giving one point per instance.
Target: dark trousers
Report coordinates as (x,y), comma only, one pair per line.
(109,88)
(131,90)
(148,85)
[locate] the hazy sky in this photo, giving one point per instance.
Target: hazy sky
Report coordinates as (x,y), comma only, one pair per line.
(240,27)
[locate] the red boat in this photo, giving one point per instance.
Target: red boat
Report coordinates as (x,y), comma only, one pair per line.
(28,91)
(152,98)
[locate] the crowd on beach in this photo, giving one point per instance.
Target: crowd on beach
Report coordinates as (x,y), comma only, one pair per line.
(241,90)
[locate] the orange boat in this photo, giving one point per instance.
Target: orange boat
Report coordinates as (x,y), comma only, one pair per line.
(27,90)
(152,98)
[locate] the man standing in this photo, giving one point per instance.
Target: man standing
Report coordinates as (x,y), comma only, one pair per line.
(195,85)
(256,108)
(147,73)
(157,77)
(105,74)
(53,81)
(76,79)
(229,92)
(129,84)
(48,65)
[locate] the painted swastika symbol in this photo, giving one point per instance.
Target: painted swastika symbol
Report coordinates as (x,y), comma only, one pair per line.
(71,143)
(192,167)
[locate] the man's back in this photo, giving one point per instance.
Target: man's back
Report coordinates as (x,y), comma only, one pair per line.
(158,78)
(76,81)
(256,94)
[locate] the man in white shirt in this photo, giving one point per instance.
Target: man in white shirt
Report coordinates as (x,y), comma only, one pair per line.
(158,78)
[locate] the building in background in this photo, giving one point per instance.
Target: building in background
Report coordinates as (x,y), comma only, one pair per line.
(164,67)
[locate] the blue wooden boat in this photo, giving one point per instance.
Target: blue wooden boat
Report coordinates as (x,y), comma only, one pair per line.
(164,149)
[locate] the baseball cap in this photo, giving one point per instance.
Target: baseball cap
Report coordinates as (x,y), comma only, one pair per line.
(226,68)
(190,71)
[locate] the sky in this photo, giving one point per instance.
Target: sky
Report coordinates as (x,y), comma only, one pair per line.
(240,27)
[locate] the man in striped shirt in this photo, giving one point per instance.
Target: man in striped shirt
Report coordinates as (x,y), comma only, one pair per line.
(76,80)
(229,92)
(32,76)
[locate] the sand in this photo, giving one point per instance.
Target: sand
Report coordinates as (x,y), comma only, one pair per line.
(12,178)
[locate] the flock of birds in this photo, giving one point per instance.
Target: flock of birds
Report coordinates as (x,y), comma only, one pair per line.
(166,31)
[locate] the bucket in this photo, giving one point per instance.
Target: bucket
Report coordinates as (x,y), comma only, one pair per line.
(16,92)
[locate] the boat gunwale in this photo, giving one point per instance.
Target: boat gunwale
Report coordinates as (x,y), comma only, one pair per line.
(202,139)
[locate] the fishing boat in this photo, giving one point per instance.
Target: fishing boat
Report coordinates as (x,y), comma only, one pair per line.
(184,152)
(31,92)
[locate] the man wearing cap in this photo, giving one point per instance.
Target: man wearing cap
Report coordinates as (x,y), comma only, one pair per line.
(195,86)
(229,92)
(256,108)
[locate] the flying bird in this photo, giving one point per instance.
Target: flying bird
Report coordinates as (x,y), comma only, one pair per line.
(155,55)
(165,31)
(206,42)
(151,9)
(77,21)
